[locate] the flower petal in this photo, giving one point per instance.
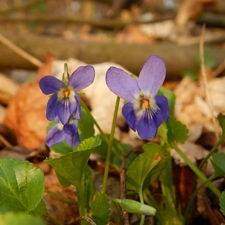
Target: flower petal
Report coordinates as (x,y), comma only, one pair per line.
(50,110)
(55,135)
(71,128)
(82,77)
(64,109)
(73,140)
(146,127)
(162,103)
(129,115)
(72,137)
(78,108)
(152,74)
(157,118)
(121,83)
(50,85)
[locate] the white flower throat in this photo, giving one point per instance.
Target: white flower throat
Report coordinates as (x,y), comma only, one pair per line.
(66,94)
(144,103)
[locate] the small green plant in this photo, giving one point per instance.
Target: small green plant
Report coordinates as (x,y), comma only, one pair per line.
(148,109)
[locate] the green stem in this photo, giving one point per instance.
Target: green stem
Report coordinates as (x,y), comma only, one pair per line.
(60,197)
(196,170)
(99,128)
(190,203)
(94,120)
(219,142)
(110,145)
(81,195)
(142,202)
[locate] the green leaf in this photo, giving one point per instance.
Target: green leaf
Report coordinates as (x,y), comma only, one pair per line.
(89,143)
(222,203)
(21,185)
(71,167)
(40,210)
(118,151)
(177,132)
(100,209)
(20,219)
(162,133)
(170,96)
(221,119)
(143,169)
(85,125)
(218,160)
(62,148)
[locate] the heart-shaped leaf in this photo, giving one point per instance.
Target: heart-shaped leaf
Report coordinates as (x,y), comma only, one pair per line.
(21,185)
(71,167)
(144,168)
(177,132)
(100,209)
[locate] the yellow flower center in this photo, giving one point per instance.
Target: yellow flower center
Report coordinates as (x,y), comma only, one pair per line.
(145,103)
(66,93)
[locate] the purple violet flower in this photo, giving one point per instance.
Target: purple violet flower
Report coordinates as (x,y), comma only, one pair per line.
(65,100)
(144,110)
(60,132)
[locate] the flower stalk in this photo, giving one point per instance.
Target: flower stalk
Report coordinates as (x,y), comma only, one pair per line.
(105,177)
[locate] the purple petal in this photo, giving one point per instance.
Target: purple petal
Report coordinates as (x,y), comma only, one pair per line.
(157,118)
(73,140)
(71,128)
(50,111)
(78,108)
(162,103)
(64,109)
(121,83)
(72,137)
(82,77)
(146,127)
(50,85)
(152,74)
(129,115)
(55,135)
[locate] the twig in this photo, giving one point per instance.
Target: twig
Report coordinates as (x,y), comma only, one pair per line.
(103,23)
(205,83)
(5,142)
(89,220)
(123,186)
(20,51)
(219,69)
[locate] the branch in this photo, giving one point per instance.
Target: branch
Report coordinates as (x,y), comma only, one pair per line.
(129,55)
(106,23)
(22,6)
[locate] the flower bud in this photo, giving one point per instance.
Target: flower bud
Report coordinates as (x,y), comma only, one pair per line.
(132,206)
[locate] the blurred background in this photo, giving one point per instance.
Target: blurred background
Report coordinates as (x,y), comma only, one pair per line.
(121,31)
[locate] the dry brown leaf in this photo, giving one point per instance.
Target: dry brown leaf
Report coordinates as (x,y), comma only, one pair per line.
(61,210)
(26,112)
(133,34)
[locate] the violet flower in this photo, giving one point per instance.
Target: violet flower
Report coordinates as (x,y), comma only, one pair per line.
(144,110)
(60,132)
(65,100)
